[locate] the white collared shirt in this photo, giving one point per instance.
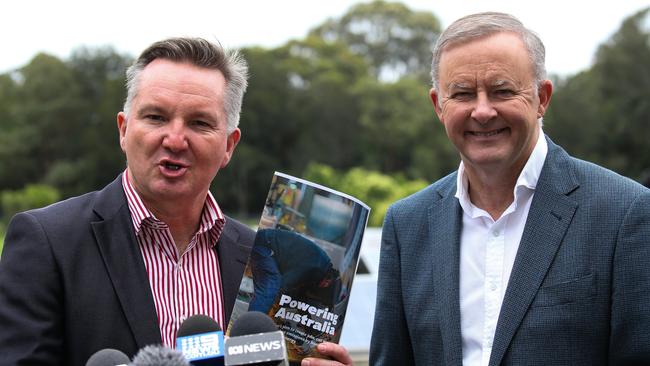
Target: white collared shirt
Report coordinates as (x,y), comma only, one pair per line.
(487,254)
(182,284)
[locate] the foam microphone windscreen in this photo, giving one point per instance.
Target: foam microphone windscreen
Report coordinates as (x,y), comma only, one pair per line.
(255,340)
(197,324)
(108,357)
(201,341)
(252,322)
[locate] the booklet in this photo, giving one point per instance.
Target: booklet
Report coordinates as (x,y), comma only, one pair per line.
(303,262)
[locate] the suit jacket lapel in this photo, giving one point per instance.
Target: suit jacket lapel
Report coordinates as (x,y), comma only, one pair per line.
(445,236)
(123,261)
(549,217)
(232,261)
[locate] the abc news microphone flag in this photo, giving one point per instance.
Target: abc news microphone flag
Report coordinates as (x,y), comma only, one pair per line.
(302,265)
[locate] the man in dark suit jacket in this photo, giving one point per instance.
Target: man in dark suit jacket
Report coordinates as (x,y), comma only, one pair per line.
(525,255)
(123,267)
(73,281)
(88,273)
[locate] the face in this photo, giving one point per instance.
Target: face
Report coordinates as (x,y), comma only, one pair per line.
(175,137)
(489,102)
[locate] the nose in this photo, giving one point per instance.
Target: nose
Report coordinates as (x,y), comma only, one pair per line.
(175,138)
(483,111)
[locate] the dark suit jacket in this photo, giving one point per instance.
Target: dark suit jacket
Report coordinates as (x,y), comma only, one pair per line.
(579,292)
(73,281)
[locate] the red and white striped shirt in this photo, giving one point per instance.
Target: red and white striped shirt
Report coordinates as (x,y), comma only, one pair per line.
(182,284)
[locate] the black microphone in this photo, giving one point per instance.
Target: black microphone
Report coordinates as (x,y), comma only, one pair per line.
(200,339)
(256,340)
(108,357)
(158,355)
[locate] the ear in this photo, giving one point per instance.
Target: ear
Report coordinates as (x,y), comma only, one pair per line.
(121,127)
(435,99)
(544,93)
(233,140)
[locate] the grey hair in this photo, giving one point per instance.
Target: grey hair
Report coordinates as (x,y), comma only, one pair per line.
(480,25)
(201,53)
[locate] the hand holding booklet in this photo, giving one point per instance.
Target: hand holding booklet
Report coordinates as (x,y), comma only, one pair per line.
(303,262)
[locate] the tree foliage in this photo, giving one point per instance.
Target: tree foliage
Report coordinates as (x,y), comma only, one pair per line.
(603,113)
(346,106)
(377,190)
(395,40)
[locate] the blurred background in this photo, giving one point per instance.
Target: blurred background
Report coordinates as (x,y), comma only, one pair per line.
(338,94)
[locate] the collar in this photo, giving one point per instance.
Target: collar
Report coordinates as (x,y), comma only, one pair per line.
(212,219)
(527,179)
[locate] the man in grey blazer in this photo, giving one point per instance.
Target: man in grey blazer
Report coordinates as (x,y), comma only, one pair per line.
(525,255)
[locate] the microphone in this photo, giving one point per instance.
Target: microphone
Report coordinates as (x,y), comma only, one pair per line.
(157,355)
(200,339)
(108,357)
(255,340)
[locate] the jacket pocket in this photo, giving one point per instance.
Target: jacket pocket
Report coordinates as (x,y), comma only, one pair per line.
(566,292)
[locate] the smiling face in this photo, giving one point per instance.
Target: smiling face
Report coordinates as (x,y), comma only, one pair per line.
(175,137)
(489,102)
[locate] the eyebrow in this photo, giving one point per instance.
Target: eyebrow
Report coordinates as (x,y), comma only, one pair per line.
(149,108)
(500,82)
(459,85)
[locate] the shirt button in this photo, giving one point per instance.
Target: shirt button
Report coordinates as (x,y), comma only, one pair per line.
(496,233)
(493,287)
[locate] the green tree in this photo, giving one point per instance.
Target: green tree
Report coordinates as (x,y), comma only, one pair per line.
(32,196)
(602,114)
(42,121)
(58,121)
(623,67)
(401,133)
(395,40)
(375,189)
(300,107)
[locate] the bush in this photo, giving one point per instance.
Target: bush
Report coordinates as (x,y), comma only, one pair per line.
(375,189)
(32,196)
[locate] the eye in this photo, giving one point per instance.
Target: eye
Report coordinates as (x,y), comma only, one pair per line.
(154,117)
(504,93)
(462,95)
(201,124)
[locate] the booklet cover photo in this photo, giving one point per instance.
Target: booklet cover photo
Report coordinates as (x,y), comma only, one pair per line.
(303,262)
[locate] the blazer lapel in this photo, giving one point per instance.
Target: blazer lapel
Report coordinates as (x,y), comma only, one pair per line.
(124,264)
(549,217)
(232,261)
(445,238)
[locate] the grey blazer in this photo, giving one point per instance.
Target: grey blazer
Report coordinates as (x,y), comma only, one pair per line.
(73,281)
(579,292)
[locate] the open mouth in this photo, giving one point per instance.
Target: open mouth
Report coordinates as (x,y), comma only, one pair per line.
(171,166)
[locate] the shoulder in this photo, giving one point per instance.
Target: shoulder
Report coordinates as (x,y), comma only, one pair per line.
(243,233)
(419,202)
(72,210)
(588,178)
(87,207)
(605,180)
(69,221)
(597,190)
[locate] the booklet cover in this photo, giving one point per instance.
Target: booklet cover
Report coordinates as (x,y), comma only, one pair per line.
(303,262)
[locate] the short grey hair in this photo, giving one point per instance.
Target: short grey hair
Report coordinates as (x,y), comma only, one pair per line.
(201,53)
(480,25)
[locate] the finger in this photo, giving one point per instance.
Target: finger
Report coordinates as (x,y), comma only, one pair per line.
(332,350)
